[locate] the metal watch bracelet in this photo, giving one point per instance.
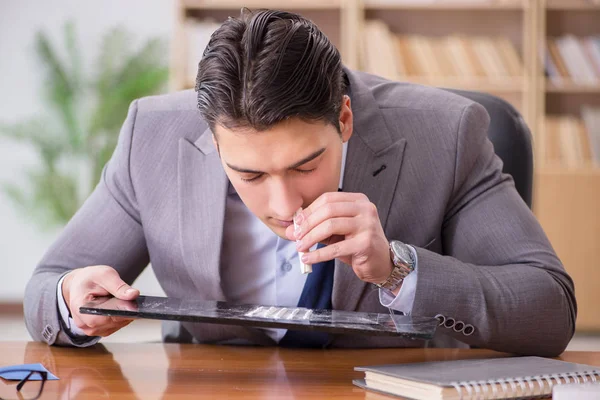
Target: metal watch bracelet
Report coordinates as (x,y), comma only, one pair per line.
(404,264)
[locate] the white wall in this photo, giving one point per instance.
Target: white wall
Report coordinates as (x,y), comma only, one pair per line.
(22,243)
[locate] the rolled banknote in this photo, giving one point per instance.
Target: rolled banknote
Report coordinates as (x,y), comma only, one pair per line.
(304,268)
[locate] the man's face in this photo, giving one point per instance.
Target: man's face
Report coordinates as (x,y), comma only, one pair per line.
(277,171)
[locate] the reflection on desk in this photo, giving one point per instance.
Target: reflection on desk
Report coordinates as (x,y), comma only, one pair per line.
(173,371)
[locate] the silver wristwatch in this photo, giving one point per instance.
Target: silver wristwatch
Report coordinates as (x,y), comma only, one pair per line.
(404,263)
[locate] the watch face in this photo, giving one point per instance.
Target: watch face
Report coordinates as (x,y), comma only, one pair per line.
(401,251)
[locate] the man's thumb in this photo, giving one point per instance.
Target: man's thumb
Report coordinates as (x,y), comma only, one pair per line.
(114,285)
(126,292)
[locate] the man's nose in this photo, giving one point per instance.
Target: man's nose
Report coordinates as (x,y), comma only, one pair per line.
(284,199)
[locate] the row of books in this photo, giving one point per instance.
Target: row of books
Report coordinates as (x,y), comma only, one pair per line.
(400,56)
(571,141)
(462,2)
(575,59)
(456,56)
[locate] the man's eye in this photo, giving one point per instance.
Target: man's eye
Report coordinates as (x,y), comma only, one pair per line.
(254,178)
(305,171)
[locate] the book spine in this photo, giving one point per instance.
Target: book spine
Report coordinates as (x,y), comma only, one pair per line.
(557,59)
(593,52)
(521,387)
(591,118)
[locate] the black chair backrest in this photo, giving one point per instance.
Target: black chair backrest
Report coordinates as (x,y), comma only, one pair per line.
(511,138)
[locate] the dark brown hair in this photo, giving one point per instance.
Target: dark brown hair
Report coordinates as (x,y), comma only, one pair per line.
(267,66)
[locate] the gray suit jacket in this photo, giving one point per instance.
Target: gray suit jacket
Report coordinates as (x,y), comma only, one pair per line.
(483,258)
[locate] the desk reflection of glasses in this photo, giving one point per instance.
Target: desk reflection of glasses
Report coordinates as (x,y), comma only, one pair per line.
(82,372)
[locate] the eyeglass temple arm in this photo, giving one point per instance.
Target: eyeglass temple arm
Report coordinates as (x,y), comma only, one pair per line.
(43,374)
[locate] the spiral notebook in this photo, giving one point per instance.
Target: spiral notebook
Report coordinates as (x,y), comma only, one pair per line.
(493,378)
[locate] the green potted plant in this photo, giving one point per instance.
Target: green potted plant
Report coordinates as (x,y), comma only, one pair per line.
(78,129)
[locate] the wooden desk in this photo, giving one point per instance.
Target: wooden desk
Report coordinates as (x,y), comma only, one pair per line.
(165,371)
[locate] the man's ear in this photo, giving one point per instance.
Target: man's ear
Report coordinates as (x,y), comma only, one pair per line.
(214,140)
(346,119)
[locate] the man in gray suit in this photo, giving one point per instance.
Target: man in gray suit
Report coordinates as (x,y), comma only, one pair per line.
(205,185)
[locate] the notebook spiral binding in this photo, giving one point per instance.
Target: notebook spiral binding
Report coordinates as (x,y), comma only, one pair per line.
(525,387)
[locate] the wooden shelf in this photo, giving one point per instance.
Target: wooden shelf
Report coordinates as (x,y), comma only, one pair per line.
(562,170)
(566,204)
(444,5)
(255,4)
(572,5)
(571,87)
(512,85)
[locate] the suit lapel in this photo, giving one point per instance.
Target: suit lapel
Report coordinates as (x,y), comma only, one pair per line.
(373,166)
(203,187)
(202,195)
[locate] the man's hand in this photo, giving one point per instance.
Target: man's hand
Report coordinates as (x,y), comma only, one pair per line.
(84,285)
(349,225)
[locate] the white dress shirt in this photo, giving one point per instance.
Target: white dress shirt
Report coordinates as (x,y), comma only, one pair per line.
(259,267)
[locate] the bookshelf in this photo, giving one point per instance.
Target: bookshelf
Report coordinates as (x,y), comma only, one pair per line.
(566,197)
(337,18)
(453,28)
(237,4)
(565,5)
(572,87)
(444,5)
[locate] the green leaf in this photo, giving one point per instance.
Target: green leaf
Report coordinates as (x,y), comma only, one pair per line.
(60,88)
(148,61)
(112,110)
(15,194)
(22,201)
(146,57)
(75,98)
(115,47)
(72,46)
(55,192)
(38,133)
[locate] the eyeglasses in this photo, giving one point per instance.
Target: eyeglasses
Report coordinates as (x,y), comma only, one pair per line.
(29,388)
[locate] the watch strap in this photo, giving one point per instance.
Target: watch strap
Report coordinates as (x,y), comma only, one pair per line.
(402,267)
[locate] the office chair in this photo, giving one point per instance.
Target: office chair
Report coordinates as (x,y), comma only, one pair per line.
(511,138)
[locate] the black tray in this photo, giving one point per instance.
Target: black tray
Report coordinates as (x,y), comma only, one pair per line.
(296,318)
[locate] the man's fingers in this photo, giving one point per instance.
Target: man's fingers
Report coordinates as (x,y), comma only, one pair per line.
(334,197)
(95,325)
(334,250)
(100,321)
(289,233)
(329,227)
(85,286)
(326,212)
(327,205)
(113,328)
(109,280)
(86,321)
(105,331)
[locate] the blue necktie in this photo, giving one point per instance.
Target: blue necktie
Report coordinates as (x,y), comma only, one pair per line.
(316,294)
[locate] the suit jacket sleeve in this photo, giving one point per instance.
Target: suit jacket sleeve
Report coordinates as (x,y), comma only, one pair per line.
(107,230)
(499,272)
